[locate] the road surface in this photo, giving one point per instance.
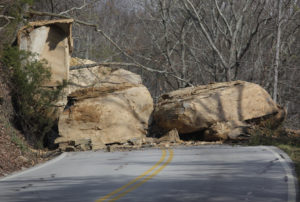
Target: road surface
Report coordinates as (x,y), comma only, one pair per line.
(202,173)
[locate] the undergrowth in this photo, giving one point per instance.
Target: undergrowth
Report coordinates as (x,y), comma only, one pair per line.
(32,102)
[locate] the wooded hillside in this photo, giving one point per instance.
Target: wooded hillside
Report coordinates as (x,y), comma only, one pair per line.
(174,44)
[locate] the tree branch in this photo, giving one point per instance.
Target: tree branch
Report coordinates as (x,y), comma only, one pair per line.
(7,18)
(223,18)
(74,8)
(76,67)
(224,63)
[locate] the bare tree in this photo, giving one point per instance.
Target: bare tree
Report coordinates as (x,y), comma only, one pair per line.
(277,59)
(177,43)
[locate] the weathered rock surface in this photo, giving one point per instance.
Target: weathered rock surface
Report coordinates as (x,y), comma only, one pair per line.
(172,137)
(98,76)
(93,77)
(226,130)
(50,40)
(107,114)
(224,108)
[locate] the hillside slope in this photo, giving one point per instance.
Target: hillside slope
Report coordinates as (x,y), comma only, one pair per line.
(15,153)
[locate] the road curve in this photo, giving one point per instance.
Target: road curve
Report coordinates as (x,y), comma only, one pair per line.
(202,173)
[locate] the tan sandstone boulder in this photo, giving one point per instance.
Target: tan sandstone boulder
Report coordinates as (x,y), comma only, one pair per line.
(106,114)
(92,77)
(220,107)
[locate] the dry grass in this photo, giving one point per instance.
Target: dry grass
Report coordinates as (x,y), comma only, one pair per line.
(285,139)
(294,154)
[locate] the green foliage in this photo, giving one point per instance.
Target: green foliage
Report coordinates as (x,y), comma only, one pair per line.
(19,142)
(33,103)
(16,10)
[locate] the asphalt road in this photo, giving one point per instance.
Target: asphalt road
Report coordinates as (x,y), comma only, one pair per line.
(202,173)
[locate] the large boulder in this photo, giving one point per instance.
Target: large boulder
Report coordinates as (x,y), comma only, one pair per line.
(92,77)
(106,114)
(226,107)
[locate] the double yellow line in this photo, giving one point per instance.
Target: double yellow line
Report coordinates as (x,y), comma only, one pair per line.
(138,181)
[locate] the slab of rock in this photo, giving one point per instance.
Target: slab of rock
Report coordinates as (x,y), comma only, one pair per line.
(50,40)
(198,108)
(98,75)
(93,77)
(106,114)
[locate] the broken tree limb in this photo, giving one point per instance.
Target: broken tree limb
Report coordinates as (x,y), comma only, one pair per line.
(112,64)
(75,67)
(165,73)
(75,8)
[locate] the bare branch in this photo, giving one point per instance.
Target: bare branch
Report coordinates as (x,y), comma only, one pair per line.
(223,18)
(83,66)
(135,63)
(224,63)
(220,28)
(74,8)
(8,20)
(32,12)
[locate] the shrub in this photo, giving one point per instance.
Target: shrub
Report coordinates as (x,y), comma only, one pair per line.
(33,104)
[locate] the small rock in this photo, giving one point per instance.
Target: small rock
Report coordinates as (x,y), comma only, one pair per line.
(22,159)
(82,142)
(135,141)
(147,146)
(188,143)
(62,146)
(72,142)
(70,149)
(172,136)
(147,140)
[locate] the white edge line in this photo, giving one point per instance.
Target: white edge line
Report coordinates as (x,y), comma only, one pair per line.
(18,173)
(287,164)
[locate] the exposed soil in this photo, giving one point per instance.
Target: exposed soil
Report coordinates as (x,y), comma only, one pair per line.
(12,158)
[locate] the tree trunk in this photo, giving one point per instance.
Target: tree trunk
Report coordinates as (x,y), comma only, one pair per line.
(277,56)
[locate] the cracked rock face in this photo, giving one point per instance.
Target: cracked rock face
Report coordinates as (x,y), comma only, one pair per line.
(106,115)
(198,108)
(93,77)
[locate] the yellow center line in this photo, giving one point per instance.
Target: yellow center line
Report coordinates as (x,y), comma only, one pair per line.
(146,179)
(134,180)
